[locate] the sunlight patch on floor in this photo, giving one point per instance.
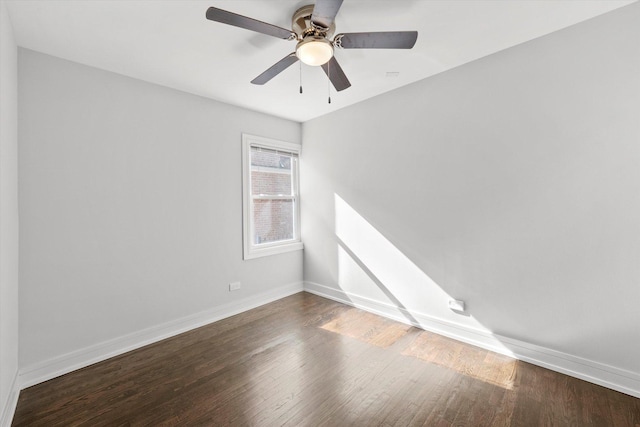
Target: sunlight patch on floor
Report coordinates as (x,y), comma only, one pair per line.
(367,327)
(371,266)
(484,365)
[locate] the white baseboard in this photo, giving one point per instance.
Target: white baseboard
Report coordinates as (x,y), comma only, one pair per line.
(598,373)
(8,410)
(74,360)
(595,372)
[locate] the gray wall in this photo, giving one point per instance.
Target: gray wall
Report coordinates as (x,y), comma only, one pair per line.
(511,182)
(8,212)
(130,206)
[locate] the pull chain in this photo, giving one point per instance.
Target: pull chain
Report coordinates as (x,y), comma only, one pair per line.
(329,80)
(300,76)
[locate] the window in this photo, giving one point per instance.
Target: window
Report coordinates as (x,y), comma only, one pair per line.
(271,205)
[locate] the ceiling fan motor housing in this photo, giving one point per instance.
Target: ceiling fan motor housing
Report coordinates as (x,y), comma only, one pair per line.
(303,27)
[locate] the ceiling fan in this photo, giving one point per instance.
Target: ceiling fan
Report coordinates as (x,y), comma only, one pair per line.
(313,28)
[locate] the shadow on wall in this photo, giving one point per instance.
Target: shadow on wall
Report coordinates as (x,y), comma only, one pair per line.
(366,258)
(374,275)
(347,254)
(368,262)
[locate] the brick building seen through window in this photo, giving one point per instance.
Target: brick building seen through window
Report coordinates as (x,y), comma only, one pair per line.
(273,209)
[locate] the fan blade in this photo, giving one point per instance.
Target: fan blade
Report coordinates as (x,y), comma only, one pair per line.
(276,69)
(325,11)
(333,70)
(381,40)
(219,15)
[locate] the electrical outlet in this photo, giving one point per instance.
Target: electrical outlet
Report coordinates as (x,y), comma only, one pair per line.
(456,305)
(234,286)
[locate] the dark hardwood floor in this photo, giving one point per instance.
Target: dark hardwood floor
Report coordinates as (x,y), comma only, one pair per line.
(306,360)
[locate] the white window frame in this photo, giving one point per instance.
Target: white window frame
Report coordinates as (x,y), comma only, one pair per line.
(250,249)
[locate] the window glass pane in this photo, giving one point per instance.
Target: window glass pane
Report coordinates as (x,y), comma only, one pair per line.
(271,212)
(272,220)
(271,173)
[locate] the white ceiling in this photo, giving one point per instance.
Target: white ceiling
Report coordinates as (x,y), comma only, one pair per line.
(170,43)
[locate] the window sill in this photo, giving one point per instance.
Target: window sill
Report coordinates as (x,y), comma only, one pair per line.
(254,252)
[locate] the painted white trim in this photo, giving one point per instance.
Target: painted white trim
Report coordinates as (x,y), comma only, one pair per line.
(9,408)
(595,372)
(81,358)
(249,249)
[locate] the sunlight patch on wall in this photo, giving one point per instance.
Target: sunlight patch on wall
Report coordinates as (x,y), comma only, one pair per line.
(395,276)
(372,268)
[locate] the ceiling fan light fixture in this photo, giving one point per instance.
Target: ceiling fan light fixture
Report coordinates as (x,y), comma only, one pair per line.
(314,50)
